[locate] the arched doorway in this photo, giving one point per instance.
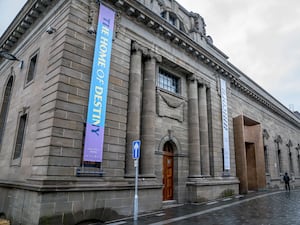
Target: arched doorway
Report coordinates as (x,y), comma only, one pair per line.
(168,168)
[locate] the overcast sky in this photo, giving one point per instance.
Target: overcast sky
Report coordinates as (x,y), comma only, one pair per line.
(261,38)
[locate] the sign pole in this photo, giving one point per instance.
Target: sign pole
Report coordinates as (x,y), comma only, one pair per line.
(136,197)
(136,155)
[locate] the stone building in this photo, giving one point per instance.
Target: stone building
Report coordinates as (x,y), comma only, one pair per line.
(206,129)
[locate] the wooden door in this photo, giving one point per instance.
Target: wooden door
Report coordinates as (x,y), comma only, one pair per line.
(168,172)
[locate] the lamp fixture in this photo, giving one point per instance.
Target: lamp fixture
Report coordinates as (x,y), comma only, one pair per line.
(91,30)
(9,56)
(50,30)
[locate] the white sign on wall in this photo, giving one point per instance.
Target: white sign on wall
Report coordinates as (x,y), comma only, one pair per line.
(225,125)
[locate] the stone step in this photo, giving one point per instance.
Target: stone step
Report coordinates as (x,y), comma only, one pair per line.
(169,204)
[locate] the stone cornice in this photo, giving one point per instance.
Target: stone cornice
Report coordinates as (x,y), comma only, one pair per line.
(31,11)
(141,14)
(251,93)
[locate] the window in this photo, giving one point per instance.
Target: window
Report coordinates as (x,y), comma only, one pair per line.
(32,67)
(4,108)
(20,137)
(172,20)
(266,159)
(291,163)
(279,161)
(168,81)
(298,164)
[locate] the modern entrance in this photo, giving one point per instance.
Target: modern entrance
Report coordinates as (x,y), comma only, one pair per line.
(249,154)
(251,166)
(168,164)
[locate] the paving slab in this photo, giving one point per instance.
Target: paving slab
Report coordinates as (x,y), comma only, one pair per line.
(258,208)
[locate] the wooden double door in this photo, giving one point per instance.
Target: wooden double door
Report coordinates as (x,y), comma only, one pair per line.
(168,168)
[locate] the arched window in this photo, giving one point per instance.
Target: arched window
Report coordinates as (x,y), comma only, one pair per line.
(4,107)
(173,19)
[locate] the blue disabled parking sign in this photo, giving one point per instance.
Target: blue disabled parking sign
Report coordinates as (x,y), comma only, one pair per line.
(136,149)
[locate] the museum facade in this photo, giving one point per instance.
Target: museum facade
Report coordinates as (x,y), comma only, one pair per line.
(82,80)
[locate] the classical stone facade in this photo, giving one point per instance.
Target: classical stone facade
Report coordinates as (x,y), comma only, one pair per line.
(206,129)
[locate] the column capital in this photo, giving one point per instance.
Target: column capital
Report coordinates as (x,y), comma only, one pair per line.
(153,55)
(192,77)
(137,47)
(203,83)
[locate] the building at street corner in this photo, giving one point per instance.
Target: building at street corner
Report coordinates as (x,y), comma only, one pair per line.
(81,80)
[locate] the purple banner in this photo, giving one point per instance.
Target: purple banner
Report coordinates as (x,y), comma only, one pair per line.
(94,134)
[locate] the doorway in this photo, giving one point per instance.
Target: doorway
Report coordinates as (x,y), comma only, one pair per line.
(251,166)
(168,168)
(249,154)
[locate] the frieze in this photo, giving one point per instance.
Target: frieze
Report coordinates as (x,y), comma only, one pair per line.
(170,106)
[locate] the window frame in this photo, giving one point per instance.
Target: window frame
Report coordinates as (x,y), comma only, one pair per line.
(29,72)
(165,83)
(5,110)
(17,161)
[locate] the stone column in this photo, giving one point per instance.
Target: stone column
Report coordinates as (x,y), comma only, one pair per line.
(193,127)
(148,116)
(134,106)
(204,144)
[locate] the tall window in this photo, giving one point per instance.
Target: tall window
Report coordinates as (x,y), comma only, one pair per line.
(289,145)
(279,161)
(266,159)
(172,19)
(32,68)
(4,107)
(20,137)
(291,163)
(168,81)
(278,141)
(298,157)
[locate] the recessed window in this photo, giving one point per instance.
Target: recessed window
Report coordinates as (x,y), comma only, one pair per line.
(4,108)
(168,81)
(172,19)
(20,137)
(32,68)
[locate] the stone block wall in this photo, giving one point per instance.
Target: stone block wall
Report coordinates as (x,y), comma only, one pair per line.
(274,125)
(71,207)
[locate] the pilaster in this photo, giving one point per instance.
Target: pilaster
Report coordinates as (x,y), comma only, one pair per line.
(193,127)
(203,121)
(134,105)
(148,115)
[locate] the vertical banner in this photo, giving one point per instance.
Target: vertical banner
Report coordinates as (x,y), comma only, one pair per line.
(225,125)
(94,133)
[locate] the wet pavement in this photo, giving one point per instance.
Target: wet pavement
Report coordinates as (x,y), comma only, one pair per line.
(260,208)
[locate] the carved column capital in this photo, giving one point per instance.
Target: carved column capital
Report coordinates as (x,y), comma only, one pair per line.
(203,83)
(192,77)
(153,55)
(137,47)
